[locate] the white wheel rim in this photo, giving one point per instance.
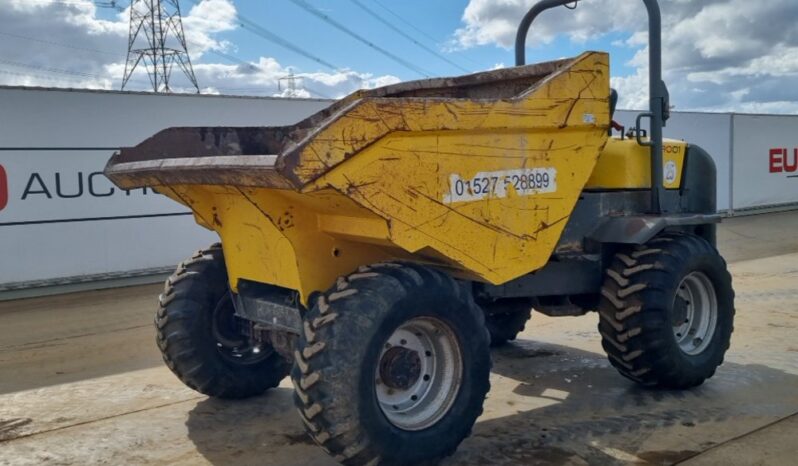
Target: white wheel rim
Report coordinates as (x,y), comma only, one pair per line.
(430,373)
(694,330)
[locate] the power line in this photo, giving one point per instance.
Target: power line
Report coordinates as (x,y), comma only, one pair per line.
(221,54)
(78,75)
(415,28)
(400,18)
(235,59)
(52,70)
(255,28)
(310,9)
(405,35)
(258,30)
(107,4)
(65,2)
(110,4)
(75,47)
(38,76)
(51,78)
(58,44)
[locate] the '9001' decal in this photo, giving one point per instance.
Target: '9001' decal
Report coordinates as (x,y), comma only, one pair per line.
(488,185)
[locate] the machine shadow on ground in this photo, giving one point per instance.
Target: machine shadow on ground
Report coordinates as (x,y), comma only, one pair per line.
(549,404)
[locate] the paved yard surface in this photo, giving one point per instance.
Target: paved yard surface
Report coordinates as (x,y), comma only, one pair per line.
(81,383)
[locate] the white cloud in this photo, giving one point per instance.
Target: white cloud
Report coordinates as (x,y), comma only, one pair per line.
(496,21)
(57,43)
(206,19)
(723,55)
(632,89)
(262,79)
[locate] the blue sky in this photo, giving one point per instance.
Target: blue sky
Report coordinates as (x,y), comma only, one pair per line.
(719,55)
(438,19)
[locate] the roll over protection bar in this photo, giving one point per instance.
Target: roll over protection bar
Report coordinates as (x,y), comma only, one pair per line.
(659,100)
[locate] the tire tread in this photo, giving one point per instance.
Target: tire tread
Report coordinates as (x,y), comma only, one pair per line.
(631,319)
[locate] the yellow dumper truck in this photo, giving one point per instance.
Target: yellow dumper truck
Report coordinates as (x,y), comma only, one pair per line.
(375,250)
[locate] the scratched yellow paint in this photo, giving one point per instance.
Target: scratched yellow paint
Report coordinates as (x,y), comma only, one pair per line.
(560,102)
(377,183)
(283,238)
(624,164)
(405,176)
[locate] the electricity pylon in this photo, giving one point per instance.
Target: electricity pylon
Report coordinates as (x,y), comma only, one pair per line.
(291,82)
(157,41)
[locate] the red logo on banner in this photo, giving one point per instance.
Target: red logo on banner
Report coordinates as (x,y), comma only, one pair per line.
(781,160)
(3,188)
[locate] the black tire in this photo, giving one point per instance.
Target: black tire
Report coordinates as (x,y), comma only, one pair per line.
(505,319)
(334,372)
(197,333)
(638,311)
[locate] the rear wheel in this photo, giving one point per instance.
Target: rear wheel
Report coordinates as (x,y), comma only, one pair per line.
(392,366)
(505,319)
(667,311)
(201,339)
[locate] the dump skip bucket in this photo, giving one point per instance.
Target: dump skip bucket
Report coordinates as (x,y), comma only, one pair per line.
(476,174)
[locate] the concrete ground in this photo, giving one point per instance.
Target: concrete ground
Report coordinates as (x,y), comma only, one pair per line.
(81,382)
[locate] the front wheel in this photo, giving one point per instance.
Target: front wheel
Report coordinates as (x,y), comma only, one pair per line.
(392,366)
(201,339)
(667,311)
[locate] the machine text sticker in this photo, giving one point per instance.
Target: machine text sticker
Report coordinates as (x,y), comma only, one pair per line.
(487,185)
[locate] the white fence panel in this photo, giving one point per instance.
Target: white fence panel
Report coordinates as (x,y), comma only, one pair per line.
(61,218)
(765,161)
(710,131)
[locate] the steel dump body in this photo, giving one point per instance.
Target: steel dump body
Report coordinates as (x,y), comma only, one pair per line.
(477,175)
